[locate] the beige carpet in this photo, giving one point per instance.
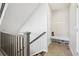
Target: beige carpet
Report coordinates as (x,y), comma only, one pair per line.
(56,49)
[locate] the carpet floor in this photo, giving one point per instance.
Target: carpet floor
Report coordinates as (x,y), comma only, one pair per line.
(56,49)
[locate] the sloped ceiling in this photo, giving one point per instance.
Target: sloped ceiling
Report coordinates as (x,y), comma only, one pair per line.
(16,14)
(58,6)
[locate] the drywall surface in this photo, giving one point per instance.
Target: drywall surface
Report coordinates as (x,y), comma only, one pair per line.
(49,24)
(77,22)
(16,14)
(0,39)
(37,24)
(72,28)
(60,22)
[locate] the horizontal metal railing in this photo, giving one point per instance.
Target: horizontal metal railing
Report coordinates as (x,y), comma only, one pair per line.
(29,43)
(37,37)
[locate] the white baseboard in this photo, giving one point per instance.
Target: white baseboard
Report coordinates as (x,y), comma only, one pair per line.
(71,50)
(73,53)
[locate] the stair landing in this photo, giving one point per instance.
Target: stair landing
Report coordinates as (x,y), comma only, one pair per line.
(58,49)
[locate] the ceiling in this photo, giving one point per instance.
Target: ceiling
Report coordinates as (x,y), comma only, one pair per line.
(16,14)
(58,6)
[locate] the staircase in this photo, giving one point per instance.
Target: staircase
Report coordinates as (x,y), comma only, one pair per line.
(19,44)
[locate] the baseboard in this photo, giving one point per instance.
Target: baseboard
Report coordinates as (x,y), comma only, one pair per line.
(2,51)
(74,54)
(71,50)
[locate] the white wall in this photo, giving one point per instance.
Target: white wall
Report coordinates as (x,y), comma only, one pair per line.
(37,24)
(77,13)
(49,24)
(60,22)
(16,15)
(72,28)
(0,39)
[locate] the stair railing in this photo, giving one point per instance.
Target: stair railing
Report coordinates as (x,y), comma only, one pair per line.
(28,41)
(13,45)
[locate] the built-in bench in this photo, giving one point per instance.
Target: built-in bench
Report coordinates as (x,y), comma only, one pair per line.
(60,39)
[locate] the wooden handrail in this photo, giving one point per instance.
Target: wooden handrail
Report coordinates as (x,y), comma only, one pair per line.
(37,37)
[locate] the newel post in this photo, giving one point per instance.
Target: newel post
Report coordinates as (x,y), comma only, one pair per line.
(27,34)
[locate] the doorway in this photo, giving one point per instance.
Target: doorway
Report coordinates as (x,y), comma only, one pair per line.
(58,29)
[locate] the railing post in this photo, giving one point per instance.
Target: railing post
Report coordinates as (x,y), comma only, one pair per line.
(28,42)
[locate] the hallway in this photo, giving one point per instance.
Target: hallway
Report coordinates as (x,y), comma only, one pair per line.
(56,49)
(23,25)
